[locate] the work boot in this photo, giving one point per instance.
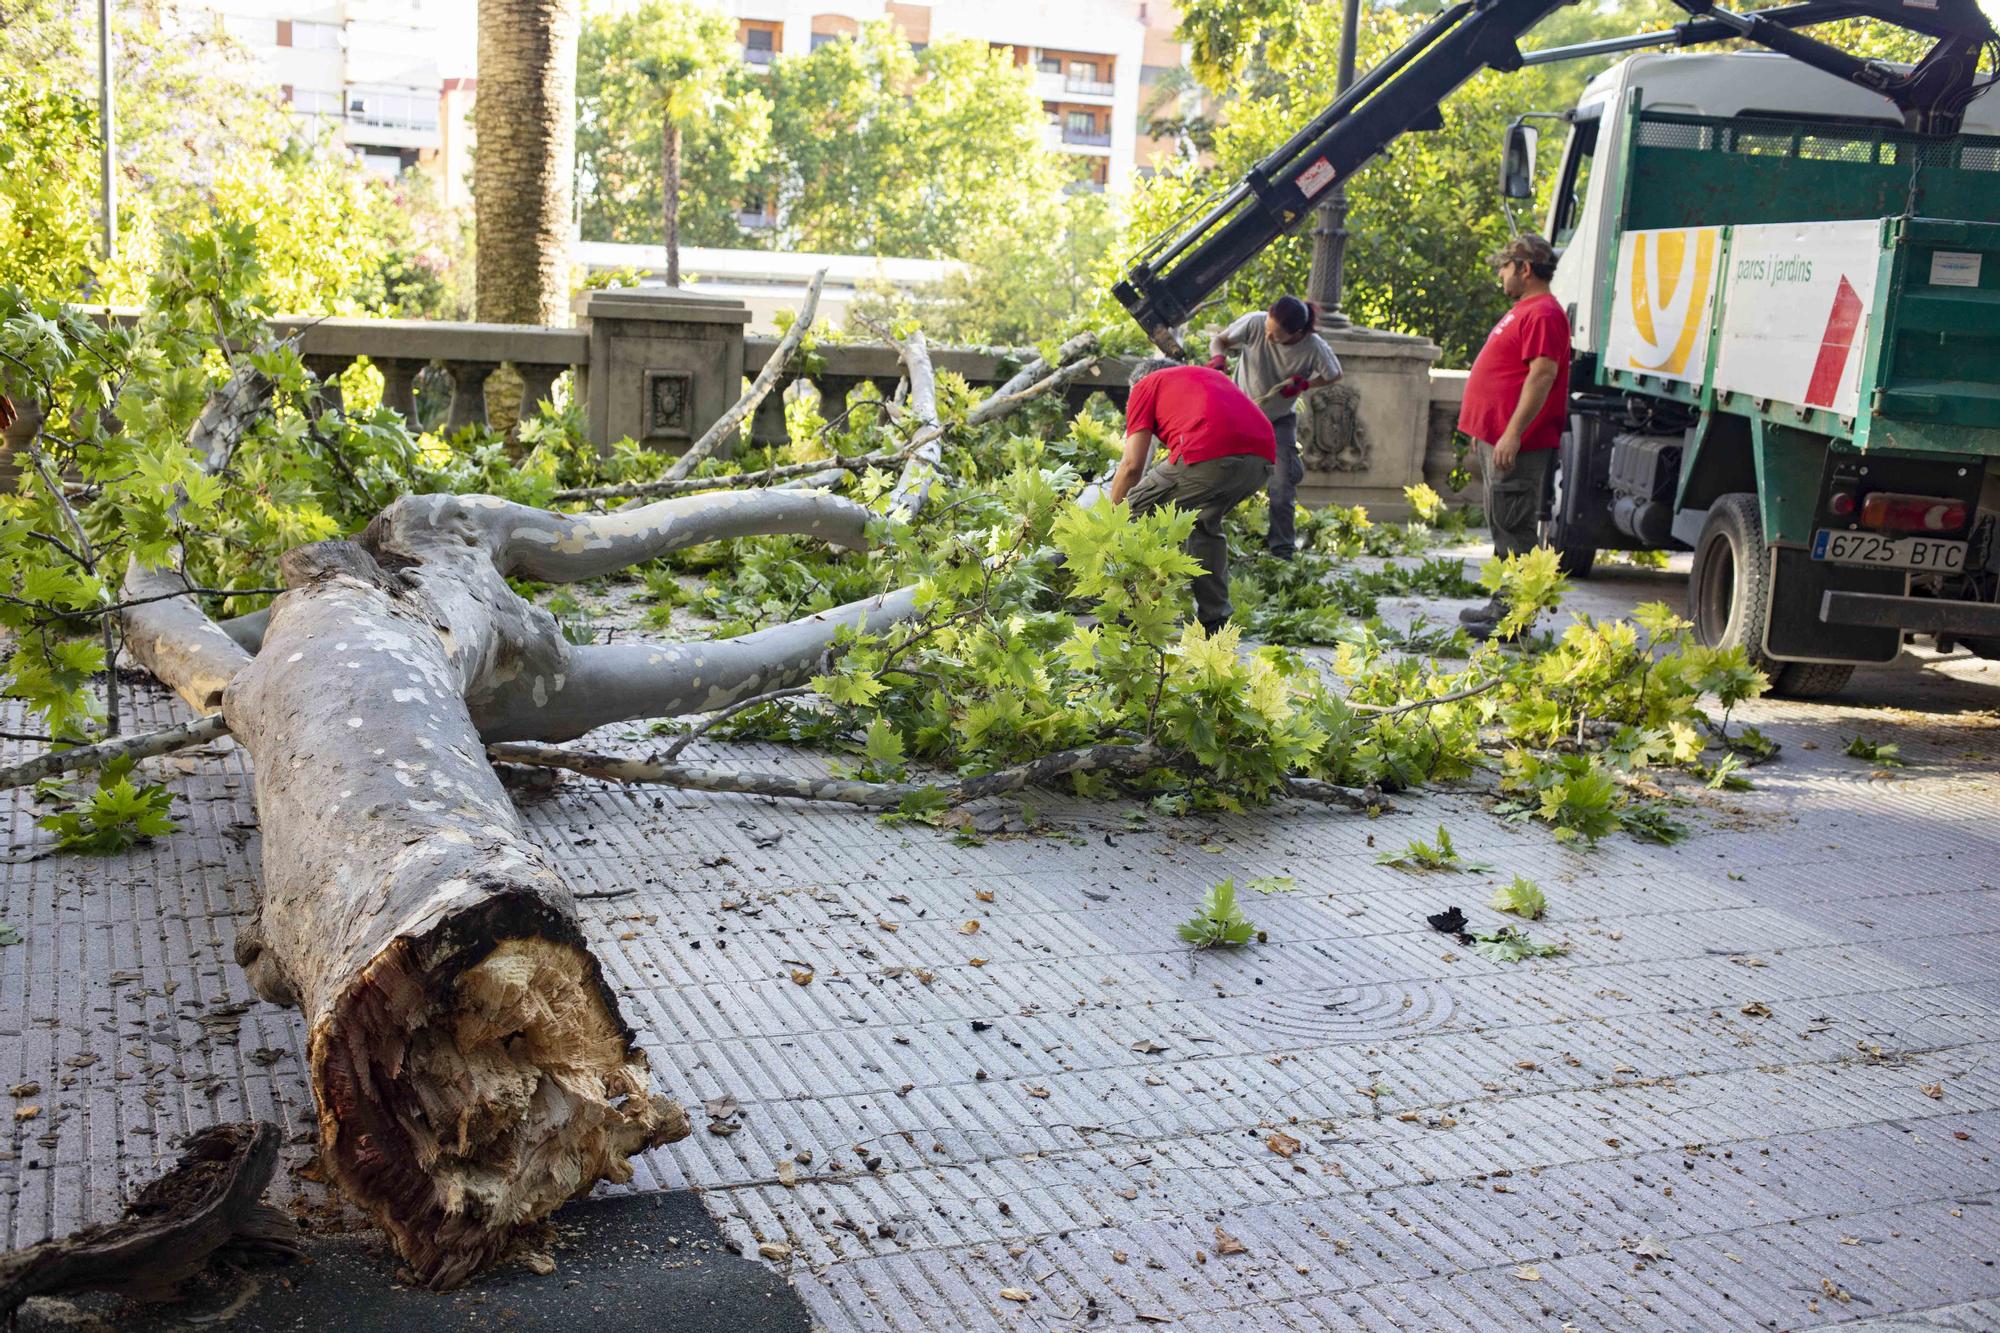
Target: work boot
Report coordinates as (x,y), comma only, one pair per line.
(1213,627)
(1479,631)
(1488,613)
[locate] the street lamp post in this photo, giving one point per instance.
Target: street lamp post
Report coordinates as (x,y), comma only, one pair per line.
(1329,256)
(106,133)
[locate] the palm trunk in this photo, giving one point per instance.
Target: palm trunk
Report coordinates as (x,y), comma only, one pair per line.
(525,120)
(670,197)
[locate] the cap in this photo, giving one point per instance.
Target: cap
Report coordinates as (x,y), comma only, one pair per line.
(1528,247)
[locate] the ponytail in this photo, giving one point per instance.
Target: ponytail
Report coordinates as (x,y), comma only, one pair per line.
(1295,315)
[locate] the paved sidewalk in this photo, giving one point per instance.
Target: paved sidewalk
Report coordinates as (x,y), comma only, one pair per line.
(1070,1107)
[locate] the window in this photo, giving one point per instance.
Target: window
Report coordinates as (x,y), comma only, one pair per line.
(1049,65)
(1084,70)
(393,110)
(758,39)
(313,102)
(820,39)
(315,36)
(1081,122)
(1572,186)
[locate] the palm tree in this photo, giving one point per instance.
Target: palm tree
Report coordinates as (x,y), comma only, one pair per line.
(525,120)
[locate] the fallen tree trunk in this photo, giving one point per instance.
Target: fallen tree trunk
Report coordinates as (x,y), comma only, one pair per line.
(471,1066)
(210,1202)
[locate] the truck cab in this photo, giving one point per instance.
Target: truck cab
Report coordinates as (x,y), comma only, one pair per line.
(1786,327)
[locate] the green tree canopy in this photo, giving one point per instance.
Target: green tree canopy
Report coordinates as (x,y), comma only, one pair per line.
(200,145)
(666,62)
(872,148)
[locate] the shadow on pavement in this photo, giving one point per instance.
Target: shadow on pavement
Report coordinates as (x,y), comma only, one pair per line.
(633,1262)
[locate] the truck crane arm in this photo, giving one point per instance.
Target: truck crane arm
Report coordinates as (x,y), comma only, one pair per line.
(1172,275)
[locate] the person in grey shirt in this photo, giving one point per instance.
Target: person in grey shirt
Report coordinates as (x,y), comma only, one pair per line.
(1279,357)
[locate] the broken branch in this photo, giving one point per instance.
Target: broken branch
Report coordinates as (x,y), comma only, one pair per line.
(780,358)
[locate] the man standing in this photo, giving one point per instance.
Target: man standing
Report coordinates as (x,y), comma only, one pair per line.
(1281,358)
(1516,399)
(1219,452)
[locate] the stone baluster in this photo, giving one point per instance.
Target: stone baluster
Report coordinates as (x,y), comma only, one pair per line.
(329,370)
(468,393)
(768,425)
(399,385)
(538,386)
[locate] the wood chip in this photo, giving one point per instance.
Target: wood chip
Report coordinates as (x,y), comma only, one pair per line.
(1227,1244)
(1041,1093)
(1934,1091)
(775,1250)
(26,1112)
(1014,1294)
(1528,1273)
(802,976)
(970,928)
(984,895)
(1282,1143)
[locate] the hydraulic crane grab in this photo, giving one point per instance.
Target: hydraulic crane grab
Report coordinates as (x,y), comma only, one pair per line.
(1171,276)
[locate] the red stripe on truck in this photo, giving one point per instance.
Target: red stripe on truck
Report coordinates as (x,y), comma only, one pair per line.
(1834,345)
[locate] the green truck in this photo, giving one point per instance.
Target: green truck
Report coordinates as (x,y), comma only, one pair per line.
(1786,311)
(1782,273)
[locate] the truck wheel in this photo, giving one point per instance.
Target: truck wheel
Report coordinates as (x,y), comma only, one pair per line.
(1810,680)
(1729,598)
(1574,557)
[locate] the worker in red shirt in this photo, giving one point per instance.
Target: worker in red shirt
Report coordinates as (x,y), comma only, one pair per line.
(1516,400)
(1220,448)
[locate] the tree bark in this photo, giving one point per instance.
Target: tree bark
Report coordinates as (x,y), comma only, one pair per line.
(670,195)
(525,118)
(212,1200)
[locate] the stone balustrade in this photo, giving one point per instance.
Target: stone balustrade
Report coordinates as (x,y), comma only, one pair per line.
(659,367)
(466,354)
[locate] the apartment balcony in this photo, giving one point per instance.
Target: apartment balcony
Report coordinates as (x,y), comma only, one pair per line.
(1087,140)
(762,57)
(756,221)
(1084,187)
(1053,86)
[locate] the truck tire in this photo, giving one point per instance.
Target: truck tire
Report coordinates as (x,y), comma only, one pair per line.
(1574,555)
(1729,598)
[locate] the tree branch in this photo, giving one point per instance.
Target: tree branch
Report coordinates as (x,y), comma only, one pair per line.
(1383,711)
(143,746)
(692,485)
(780,358)
(1141,757)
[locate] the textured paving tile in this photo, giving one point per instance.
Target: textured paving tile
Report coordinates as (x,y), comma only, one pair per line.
(1069,1103)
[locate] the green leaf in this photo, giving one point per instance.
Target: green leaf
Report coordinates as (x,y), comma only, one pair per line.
(1522,898)
(1510,944)
(1220,923)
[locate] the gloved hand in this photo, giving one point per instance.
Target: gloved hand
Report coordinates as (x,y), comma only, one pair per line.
(1219,362)
(1294,386)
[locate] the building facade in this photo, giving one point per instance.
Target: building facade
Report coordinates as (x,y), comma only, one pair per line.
(369,68)
(1091,60)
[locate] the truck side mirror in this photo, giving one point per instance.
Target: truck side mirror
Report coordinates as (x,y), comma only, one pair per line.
(1517,162)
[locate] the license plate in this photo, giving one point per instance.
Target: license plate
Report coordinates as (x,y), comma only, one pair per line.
(1868,548)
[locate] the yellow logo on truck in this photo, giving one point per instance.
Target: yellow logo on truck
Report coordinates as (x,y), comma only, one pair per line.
(1668,291)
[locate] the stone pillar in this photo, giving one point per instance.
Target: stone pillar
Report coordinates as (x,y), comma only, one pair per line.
(664,364)
(1363,440)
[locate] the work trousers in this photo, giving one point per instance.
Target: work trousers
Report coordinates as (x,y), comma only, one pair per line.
(1283,540)
(1514,499)
(1209,489)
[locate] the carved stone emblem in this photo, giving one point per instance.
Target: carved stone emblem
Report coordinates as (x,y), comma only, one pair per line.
(667,398)
(1332,437)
